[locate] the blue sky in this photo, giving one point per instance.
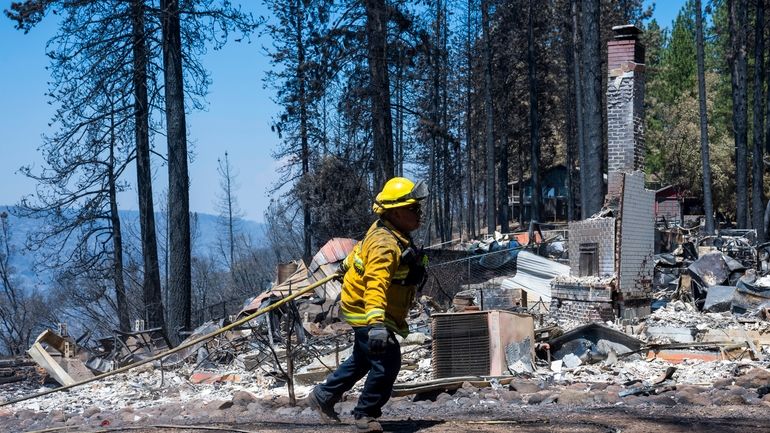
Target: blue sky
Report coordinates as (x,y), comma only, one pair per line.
(237,119)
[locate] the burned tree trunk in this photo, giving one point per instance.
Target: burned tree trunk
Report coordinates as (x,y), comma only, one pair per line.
(152,296)
(303,126)
(502,215)
(489,116)
(121,301)
(382,134)
(757,190)
(179,308)
(708,207)
(534,121)
(578,106)
(738,12)
(592,192)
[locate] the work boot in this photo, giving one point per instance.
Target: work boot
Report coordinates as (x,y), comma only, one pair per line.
(326,410)
(367,424)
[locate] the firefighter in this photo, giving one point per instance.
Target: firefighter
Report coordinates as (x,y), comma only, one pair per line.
(381,276)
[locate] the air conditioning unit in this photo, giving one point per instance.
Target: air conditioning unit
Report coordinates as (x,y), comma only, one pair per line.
(481,343)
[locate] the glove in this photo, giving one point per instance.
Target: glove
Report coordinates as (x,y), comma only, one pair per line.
(378,339)
(339,274)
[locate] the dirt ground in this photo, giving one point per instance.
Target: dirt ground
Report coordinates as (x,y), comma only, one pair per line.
(643,419)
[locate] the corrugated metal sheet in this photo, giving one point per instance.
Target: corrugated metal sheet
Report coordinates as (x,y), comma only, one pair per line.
(534,274)
(324,263)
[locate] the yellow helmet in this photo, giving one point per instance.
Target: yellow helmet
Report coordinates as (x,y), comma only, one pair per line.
(399,192)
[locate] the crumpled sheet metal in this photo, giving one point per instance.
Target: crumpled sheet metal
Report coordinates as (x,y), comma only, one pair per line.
(592,343)
(709,270)
(719,299)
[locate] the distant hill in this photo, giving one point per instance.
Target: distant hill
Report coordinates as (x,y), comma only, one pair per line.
(206,238)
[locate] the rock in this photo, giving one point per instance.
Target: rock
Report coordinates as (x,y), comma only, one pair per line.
(606,397)
(763,391)
(243,398)
(633,400)
(754,378)
(281,400)
(691,389)
(91,411)
(443,398)
(573,397)
(25,414)
(662,400)
(222,405)
(57,416)
(527,387)
(490,395)
(723,383)
(729,400)
(254,407)
(695,399)
(288,411)
(599,386)
(510,396)
(538,397)
(129,417)
(76,420)
(571,361)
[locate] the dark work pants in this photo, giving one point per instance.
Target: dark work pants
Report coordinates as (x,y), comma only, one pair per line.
(382,368)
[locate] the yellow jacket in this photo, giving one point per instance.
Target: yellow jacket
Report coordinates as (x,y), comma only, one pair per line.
(369,295)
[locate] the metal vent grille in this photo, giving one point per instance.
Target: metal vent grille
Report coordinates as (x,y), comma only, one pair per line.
(460,345)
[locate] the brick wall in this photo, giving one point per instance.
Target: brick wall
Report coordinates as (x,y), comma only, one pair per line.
(600,231)
(637,238)
(581,311)
(580,291)
(623,51)
(625,122)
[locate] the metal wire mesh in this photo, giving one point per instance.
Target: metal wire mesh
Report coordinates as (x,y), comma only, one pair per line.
(451,272)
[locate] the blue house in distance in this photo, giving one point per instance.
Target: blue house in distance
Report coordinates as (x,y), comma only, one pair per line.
(553,183)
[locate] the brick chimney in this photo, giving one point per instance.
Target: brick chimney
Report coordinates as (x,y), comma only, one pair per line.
(625,105)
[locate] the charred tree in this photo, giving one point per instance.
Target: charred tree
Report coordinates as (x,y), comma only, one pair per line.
(489,117)
(578,106)
(708,206)
(534,121)
(180,306)
(379,88)
(757,165)
(153,303)
(593,156)
(738,20)
(469,146)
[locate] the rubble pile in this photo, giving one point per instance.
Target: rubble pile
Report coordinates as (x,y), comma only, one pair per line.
(681,353)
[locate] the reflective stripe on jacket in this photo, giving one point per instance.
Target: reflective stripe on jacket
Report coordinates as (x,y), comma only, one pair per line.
(369,295)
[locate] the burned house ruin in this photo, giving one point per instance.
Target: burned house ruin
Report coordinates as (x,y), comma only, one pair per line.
(611,253)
